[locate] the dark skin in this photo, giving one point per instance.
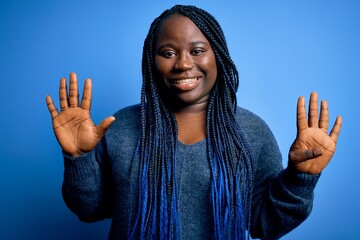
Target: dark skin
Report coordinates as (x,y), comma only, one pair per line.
(313,147)
(184,54)
(187,69)
(73,126)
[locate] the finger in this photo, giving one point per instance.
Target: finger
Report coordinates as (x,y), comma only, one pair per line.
(51,107)
(301,114)
(63,96)
(303,155)
(73,91)
(104,125)
(335,131)
(87,93)
(313,110)
(324,116)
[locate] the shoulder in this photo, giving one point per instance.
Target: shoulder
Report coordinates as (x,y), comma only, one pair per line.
(132,111)
(256,131)
(266,155)
(127,121)
(249,121)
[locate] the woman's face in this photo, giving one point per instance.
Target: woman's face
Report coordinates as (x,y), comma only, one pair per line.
(185,61)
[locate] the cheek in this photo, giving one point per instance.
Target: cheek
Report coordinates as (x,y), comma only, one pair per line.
(211,68)
(158,65)
(163,66)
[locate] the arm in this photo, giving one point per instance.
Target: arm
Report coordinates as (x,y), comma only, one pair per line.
(87,187)
(282,199)
(85,183)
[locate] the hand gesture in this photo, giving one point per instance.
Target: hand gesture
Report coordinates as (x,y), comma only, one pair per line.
(73,126)
(313,147)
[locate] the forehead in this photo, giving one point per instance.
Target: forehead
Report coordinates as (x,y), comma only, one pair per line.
(179,27)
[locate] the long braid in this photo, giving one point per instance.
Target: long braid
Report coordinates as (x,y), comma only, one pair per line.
(229,155)
(157,213)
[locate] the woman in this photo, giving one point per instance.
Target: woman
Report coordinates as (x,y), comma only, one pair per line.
(187,162)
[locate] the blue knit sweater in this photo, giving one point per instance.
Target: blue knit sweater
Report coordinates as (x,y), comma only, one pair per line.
(99,184)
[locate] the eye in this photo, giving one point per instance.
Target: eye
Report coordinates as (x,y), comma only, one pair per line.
(197,52)
(168,54)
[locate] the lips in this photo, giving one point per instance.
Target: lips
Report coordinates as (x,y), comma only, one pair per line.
(185,81)
(185,84)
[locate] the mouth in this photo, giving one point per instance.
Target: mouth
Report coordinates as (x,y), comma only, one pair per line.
(185,84)
(185,81)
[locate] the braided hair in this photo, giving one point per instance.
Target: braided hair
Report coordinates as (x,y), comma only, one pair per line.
(157,215)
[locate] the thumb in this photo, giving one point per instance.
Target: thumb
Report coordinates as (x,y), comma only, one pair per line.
(104,125)
(303,155)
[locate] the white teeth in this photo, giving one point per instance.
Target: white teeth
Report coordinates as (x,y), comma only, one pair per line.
(185,81)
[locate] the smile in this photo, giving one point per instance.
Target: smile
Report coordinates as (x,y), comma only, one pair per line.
(185,84)
(185,81)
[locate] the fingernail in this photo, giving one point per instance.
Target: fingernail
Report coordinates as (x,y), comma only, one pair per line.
(318,152)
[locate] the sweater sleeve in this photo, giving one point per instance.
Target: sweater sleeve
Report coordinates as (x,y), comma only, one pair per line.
(282,204)
(282,199)
(86,187)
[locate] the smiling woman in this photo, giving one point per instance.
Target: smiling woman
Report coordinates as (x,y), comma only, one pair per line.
(185,62)
(186,66)
(199,167)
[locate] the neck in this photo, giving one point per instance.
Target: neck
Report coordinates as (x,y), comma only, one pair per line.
(191,121)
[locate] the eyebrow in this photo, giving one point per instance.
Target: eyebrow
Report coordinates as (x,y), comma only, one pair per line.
(200,42)
(194,43)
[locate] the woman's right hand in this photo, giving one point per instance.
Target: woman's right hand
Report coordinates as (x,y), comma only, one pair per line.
(73,126)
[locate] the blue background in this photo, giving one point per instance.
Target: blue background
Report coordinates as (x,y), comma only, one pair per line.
(283,49)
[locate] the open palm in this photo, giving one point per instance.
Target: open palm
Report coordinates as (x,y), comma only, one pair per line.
(313,147)
(73,126)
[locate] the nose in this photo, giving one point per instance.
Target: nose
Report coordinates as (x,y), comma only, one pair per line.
(184,62)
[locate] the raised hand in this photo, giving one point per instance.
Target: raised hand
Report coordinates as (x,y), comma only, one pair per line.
(313,147)
(73,126)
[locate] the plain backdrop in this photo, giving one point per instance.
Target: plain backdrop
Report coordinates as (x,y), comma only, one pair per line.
(283,49)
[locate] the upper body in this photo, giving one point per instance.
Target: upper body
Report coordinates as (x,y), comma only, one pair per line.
(101,181)
(234,180)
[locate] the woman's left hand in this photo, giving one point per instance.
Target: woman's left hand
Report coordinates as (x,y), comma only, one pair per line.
(313,147)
